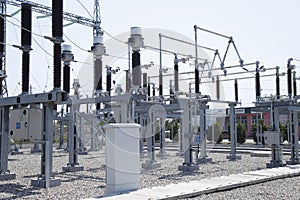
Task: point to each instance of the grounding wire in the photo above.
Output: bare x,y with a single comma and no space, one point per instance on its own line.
76,44
36,81
18,84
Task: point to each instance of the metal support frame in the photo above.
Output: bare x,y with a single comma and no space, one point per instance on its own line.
294,138
233,135
151,163
4,141
276,150
203,135
162,137
186,121
46,178
73,164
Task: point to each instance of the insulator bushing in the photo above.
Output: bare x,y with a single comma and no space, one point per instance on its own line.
145,79
218,88
295,88
25,72
1,48
236,91
257,85
98,74
26,25
136,69
197,81
1,39
66,80
277,86
108,80
57,18
289,80
176,77
57,32
26,44
57,66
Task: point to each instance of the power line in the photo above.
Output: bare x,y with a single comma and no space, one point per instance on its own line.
85,8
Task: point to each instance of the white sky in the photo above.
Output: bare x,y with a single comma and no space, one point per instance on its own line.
267,31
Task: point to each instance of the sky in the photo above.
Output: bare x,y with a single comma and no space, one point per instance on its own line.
266,31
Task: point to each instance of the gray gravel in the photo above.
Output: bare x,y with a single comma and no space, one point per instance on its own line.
91,182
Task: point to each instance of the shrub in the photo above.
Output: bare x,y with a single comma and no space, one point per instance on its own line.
218,135
240,132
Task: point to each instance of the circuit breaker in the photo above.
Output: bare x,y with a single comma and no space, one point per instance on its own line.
25,124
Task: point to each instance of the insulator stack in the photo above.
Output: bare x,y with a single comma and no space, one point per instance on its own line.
128,81
153,90
277,83
160,87
176,77
66,80
149,89
197,81
1,40
57,32
2,26
257,85
289,80
108,80
136,69
294,83
26,44
236,90
145,78
98,75
218,87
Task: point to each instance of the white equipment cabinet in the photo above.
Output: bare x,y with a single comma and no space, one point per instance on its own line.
25,123
122,158
272,137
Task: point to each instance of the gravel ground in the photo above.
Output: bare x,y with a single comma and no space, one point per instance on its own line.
91,182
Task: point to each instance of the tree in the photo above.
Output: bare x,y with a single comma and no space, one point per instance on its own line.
215,130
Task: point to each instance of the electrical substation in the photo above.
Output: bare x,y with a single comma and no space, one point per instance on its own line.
128,120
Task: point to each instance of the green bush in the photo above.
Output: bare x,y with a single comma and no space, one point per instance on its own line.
240,131
218,135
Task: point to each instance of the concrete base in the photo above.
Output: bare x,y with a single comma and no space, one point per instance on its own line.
4,177
188,168
72,168
275,164
35,150
83,153
233,157
204,160
143,154
111,190
292,162
180,153
150,164
162,155
41,183
16,153
260,154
